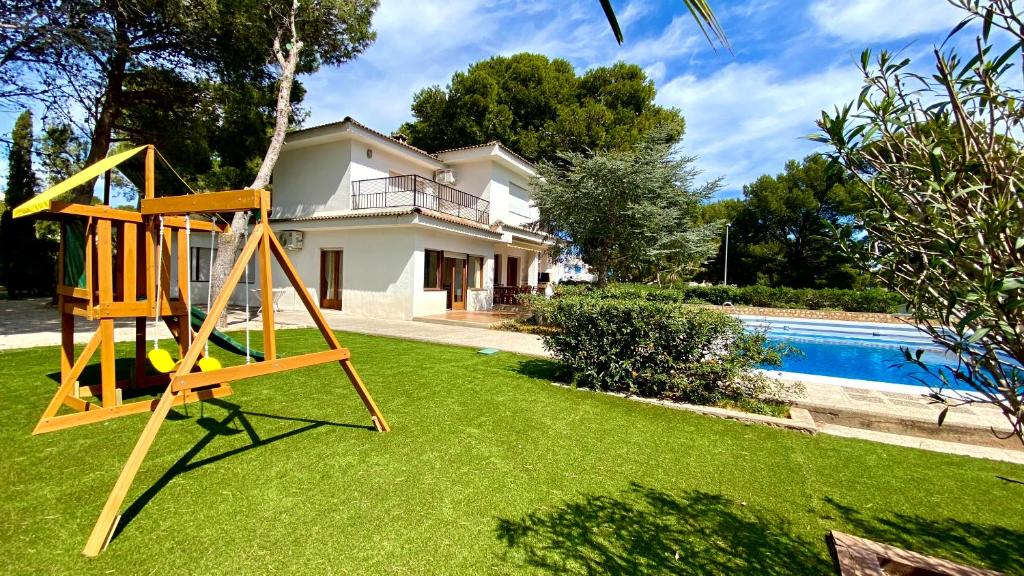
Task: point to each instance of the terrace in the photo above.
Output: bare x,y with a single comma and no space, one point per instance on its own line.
411,190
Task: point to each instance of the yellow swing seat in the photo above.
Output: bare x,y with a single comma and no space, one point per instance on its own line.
209,364
162,362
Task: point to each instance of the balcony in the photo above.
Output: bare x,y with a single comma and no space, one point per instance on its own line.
416,191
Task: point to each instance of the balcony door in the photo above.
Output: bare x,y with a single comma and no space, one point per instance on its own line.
330,279
455,282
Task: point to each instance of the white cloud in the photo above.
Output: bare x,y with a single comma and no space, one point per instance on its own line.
882,20
681,37
748,119
422,43
656,72
748,10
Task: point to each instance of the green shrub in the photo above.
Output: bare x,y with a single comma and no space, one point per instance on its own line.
631,344
870,300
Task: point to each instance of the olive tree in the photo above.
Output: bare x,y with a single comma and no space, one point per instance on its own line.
940,157
628,212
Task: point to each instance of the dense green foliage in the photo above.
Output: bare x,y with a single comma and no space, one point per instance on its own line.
629,214
793,229
213,134
539,108
941,160
620,342
26,262
489,469
869,300
196,79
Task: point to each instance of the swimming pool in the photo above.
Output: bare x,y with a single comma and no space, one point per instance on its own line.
866,354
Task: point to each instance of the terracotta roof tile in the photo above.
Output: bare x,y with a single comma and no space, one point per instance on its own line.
358,124
398,212
434,156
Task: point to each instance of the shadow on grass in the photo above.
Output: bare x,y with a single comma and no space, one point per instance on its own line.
216,428
91,373
124,368
541,369
647,531
955,540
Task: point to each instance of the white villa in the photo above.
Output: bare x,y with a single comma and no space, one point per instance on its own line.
379,228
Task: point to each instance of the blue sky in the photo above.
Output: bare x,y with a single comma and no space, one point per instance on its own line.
746,112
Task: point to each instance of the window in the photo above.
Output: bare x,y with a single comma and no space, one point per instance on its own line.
519,201
497,269
476,272
432,269
200,265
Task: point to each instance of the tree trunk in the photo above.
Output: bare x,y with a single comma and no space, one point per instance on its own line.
110,111
229,244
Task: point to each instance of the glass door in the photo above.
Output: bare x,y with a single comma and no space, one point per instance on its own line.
455,277
330,279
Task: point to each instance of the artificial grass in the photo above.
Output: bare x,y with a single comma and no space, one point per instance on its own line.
488,469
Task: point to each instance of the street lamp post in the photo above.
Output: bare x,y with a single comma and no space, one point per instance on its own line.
725,275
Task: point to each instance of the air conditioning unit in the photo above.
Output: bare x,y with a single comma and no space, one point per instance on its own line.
444,176
291,239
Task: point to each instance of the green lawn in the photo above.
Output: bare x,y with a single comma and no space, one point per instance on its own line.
488,469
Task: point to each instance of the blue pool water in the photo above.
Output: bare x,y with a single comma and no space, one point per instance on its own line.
859,361
858,351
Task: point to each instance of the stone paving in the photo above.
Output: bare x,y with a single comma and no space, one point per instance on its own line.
876,415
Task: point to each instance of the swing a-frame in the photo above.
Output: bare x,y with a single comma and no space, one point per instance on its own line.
116,264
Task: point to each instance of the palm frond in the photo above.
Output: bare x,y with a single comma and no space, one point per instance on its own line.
699,9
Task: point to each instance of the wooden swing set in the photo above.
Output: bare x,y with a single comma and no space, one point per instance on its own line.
116,264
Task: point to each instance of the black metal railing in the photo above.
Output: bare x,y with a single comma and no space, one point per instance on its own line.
412,190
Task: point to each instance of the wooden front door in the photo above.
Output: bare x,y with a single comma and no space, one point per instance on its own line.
512,271
330,279
455,280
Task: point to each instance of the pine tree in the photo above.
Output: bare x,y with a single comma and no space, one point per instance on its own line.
20,252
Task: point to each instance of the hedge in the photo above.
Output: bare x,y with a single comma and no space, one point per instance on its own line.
656,349
869,300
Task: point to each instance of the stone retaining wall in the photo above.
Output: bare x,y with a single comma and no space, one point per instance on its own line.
814,314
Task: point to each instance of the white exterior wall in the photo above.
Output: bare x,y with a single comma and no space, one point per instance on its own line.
376,270
475,178
381,164
510,208
312,179
429,302
318,178
382,266
489,179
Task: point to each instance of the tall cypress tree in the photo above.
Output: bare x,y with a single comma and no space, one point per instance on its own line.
19,250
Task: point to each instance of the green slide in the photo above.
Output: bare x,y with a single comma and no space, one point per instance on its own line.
221,339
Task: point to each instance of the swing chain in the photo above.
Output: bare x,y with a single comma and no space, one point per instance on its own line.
248,356
188,281
159,277
209,291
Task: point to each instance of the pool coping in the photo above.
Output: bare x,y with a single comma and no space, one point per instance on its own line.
908,389
826,321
